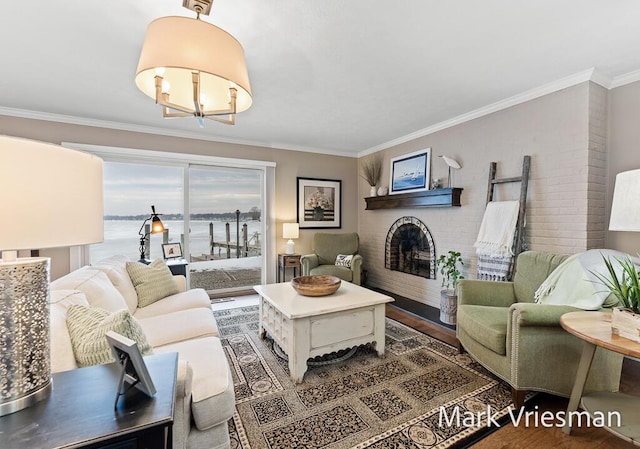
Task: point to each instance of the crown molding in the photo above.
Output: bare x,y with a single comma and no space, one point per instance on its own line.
625,79
591,74
73,120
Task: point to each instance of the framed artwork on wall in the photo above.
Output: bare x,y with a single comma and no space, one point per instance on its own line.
410,172
319,203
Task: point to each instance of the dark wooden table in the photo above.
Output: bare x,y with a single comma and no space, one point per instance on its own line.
79,412
287,261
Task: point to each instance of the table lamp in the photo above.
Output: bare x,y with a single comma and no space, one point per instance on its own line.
290,231
156,228
51,197
625,207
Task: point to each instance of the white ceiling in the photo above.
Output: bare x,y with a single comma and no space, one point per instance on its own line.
337,76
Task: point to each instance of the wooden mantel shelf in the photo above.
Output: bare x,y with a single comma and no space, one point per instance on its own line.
428,198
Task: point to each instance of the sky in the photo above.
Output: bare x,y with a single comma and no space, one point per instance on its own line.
131,189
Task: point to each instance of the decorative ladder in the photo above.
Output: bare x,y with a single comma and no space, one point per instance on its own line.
524,182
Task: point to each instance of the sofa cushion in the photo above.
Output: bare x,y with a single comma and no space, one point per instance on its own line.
152,282
342,272
88,327
115,267
97,287
212,393
487,324
62,358
196,298
179,326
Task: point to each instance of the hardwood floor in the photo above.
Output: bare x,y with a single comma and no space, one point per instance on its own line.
511,437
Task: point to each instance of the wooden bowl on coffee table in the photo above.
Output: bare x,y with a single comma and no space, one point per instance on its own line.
316,285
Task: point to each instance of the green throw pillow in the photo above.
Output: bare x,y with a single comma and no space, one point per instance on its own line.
152,282
88,327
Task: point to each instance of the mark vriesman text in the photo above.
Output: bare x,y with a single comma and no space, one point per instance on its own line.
455,416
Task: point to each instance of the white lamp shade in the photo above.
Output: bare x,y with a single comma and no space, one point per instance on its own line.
50,196
290,230
625,208
181,45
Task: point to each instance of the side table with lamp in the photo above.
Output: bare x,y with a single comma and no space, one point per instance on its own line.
289,259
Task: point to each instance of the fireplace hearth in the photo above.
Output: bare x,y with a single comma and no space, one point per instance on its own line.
409,248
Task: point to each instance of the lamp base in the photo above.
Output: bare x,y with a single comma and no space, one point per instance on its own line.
290,248
25,361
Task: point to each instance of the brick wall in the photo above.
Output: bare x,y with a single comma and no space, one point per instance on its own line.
565,134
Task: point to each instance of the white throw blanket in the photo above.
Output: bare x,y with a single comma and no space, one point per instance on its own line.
573,283
497,230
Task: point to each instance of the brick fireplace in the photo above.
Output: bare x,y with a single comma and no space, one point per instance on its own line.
409,248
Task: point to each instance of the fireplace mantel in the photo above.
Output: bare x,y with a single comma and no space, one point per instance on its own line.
429,198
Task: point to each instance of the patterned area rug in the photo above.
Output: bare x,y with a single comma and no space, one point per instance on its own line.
408,399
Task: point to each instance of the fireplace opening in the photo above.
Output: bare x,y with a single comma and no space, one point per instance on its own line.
409,248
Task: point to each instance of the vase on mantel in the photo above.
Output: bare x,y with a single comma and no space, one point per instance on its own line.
373,191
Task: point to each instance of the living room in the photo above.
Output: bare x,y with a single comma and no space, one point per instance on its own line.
579,129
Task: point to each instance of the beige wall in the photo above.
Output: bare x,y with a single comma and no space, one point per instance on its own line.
289,165
624,153
563,133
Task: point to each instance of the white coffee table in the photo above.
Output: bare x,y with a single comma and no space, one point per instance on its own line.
306,327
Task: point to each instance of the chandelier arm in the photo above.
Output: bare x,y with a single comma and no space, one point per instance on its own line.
233,95
227,121
195,80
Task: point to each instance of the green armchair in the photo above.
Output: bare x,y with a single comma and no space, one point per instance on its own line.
326,248
522,342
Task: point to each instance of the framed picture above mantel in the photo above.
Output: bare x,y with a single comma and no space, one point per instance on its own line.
319,203
410,172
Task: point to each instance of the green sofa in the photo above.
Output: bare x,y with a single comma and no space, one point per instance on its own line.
522,342
326,248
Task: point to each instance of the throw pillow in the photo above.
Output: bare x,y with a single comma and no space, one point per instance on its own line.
88,327
344,260
152,282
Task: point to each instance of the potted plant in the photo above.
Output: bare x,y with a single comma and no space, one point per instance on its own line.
625,319
450,276
371,171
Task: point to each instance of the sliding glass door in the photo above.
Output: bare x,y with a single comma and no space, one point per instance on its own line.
213,212
226,228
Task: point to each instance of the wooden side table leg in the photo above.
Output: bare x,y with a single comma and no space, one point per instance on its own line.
588,351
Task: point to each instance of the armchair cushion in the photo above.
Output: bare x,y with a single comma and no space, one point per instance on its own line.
343,273
343,260
487,324
328,246
532,269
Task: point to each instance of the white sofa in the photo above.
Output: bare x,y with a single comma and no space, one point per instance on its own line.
181,323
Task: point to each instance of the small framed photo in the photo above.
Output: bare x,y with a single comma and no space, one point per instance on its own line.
135,373
410,172
171,251
319,203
